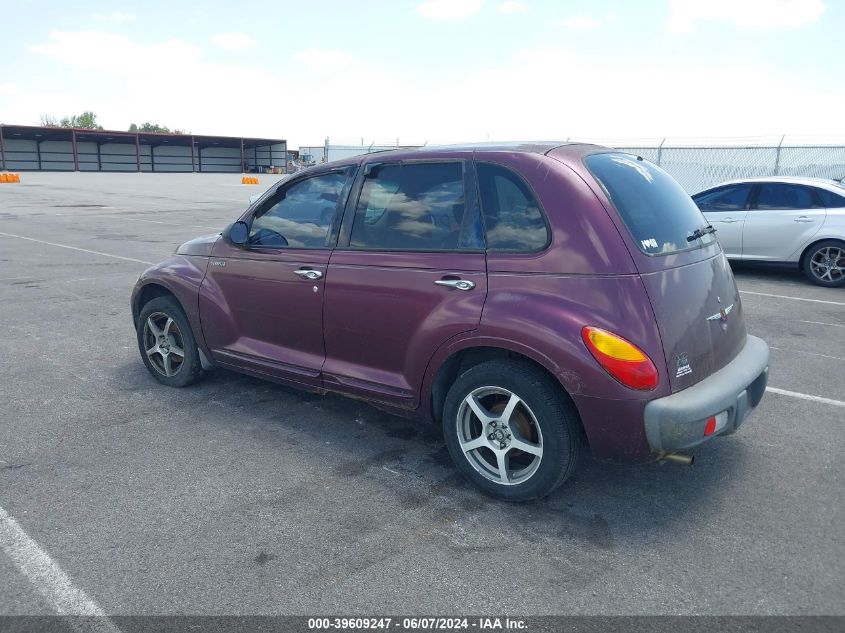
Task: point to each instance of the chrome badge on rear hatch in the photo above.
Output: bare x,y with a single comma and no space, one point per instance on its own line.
722,316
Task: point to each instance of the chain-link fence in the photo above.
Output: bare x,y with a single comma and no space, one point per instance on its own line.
696,163
699,166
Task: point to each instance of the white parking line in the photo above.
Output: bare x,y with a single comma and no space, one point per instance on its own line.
806,396
53,583
765,294
823,323
189,226
798,351
76,248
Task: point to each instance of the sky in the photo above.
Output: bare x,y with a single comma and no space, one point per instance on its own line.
432,71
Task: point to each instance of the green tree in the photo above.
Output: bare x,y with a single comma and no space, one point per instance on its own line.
154,127
87,120
149,127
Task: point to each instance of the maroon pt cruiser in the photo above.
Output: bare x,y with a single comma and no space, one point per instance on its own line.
534,299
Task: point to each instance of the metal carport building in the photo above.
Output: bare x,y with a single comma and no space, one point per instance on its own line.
32,148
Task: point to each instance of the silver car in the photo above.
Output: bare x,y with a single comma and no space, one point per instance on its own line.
782,221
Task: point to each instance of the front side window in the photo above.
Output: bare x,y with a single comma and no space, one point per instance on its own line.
777,195
732,198
513,220
659,214
299,216
414,206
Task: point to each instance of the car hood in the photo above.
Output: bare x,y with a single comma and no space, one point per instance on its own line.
199,246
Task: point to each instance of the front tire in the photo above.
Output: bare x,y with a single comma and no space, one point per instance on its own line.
824,263
511,430
167,344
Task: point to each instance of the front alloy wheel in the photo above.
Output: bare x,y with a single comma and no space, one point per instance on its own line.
163,344
166,343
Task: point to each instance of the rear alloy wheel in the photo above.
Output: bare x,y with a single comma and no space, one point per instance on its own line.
167,344
511,430
824,263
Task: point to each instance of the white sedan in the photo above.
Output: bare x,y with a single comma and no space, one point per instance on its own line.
783,221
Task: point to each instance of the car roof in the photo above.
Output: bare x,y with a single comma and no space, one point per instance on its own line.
826,183
562,150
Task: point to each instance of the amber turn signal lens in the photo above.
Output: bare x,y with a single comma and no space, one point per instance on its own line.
621,359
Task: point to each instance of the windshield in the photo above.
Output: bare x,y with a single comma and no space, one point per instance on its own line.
659,214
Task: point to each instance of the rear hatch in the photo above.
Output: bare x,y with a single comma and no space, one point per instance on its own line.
692,290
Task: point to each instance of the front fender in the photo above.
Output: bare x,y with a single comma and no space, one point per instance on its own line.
180,276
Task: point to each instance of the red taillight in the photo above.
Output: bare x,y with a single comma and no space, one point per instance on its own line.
710,427
621,359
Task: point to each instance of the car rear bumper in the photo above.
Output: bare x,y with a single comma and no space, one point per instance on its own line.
678,422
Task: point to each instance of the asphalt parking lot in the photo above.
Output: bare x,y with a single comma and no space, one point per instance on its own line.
237,496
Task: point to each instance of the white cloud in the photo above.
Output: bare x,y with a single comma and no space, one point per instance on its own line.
746,14
85,49
324,60
510,7
579,23
233,41
305,103
449,9
117,17
11,89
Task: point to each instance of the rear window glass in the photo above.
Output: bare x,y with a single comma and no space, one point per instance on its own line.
659,214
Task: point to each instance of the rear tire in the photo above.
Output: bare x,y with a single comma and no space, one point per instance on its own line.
167,344
824,263
496,409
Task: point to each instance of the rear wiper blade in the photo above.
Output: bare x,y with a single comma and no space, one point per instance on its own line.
699,233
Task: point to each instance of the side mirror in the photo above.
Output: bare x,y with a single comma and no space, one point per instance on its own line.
239,233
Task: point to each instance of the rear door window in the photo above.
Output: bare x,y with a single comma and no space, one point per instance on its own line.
830,199
733,198
415,207
658,213
513,219
777,195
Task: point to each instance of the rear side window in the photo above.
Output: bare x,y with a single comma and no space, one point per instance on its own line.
731,198
513,220
659,214
776,195
831,200
414,206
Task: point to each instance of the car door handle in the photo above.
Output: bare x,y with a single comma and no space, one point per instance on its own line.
728,220
311,275
459,284
803,218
